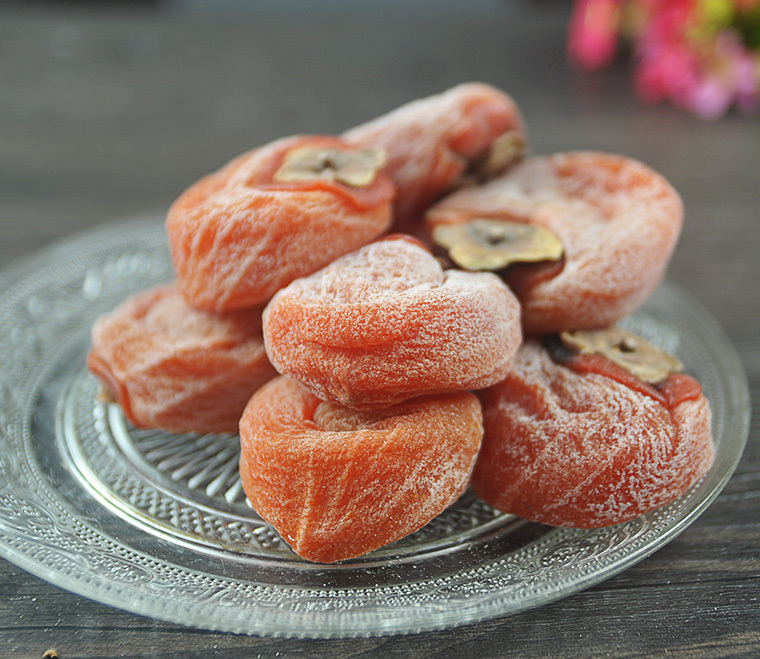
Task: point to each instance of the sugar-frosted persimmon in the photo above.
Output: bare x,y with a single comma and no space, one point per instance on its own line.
617,220
337,483
387,323
586,444
273,214
433,143
171,366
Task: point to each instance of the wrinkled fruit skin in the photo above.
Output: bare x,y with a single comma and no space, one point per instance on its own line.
618,220
585,448
174,367
387,323
237,236
337,483
431,142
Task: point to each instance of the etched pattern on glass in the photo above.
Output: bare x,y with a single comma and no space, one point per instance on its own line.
163,528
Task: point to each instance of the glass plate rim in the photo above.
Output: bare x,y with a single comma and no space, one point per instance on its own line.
170,612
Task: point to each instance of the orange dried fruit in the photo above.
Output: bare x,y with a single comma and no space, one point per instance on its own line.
174,367
616,218
273,214
435,144
337,483
387,323
582,442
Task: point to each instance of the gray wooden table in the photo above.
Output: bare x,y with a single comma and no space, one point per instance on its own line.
107,111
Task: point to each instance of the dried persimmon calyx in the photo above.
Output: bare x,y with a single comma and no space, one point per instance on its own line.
357,169
625,349
504,151
494,244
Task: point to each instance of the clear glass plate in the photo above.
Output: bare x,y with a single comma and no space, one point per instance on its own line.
157,524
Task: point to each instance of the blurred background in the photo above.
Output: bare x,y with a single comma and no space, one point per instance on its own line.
112,108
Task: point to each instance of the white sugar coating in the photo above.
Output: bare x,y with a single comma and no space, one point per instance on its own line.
443,460
376,272
336,418
618,221
180,368
366,479
236,239
248,243
584,450
172,318
386,323
157,324
430,140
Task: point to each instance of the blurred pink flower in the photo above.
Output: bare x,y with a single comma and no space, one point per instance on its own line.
664,71
709,98
593,32
686,52
729,73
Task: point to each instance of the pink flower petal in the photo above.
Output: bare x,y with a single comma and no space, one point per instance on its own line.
710,99
593,33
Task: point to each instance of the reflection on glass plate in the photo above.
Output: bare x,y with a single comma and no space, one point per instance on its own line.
157,523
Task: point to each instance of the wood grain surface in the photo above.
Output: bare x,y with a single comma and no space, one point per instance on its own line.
108,110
